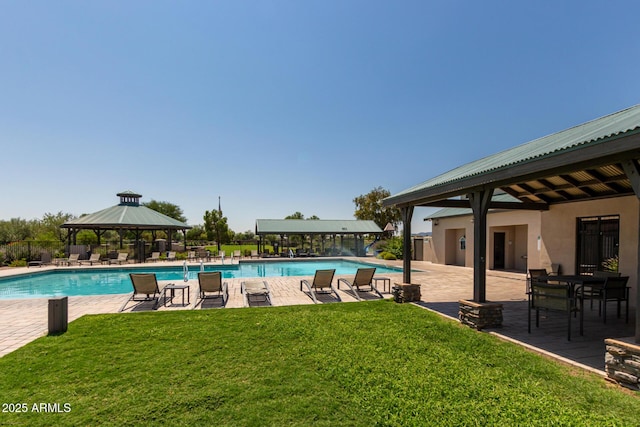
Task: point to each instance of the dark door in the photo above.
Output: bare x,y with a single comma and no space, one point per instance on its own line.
498,250
597,245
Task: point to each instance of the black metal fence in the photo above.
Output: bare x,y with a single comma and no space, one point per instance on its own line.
40,250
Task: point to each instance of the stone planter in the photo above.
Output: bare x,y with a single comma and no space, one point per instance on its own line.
622,362
480,315
405,292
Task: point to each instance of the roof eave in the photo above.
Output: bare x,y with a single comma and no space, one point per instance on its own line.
617,148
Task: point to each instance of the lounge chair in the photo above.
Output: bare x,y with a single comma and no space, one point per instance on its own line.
155,256
144,284
256,289
210,282
322,284
236,254
171,256
191,256
363,282
254,253
73,259
94,258
122,258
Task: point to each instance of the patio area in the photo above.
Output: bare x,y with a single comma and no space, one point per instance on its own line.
441,288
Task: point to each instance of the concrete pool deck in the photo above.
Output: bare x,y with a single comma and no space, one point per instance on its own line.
24,320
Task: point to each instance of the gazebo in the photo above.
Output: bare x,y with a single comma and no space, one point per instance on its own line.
128,215
320,227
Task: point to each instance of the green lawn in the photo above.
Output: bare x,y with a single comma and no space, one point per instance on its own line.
354,364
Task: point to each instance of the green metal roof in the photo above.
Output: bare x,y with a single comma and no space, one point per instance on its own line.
315,226
126,215
451,212
596,133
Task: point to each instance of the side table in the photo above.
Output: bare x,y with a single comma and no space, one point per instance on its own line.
172,288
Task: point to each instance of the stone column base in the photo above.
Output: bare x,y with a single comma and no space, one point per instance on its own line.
480,315
405,292
622,362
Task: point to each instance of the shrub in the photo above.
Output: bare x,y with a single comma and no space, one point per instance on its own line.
18,263
387,256
393,246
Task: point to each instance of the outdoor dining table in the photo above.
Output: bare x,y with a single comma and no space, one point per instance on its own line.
576,283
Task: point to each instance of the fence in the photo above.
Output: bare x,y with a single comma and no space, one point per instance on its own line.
33,250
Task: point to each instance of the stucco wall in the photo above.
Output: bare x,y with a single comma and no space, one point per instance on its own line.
559,234
545,237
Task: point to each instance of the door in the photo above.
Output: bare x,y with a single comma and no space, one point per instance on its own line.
598,239
498,250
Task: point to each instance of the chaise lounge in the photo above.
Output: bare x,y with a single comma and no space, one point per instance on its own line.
322,284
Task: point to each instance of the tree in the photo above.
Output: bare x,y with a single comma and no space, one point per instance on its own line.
49,228
166,208
15,229
215,225
296,215
369,207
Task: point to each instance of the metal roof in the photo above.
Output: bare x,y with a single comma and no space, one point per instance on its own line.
451,212
126,215
578,163
315,226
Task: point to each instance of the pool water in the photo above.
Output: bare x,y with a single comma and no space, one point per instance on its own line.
76,282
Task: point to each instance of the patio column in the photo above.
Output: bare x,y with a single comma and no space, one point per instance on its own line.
632,171
407,214
480,200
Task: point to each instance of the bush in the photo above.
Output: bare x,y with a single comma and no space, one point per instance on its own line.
387,256
392,246
18,263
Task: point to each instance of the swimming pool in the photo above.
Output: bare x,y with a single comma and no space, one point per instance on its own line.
104,281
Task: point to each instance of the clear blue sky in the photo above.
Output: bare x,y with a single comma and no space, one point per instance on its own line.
285,106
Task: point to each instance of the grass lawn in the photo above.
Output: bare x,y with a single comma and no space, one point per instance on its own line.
355,364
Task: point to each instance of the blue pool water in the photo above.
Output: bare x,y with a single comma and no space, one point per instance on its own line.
103,281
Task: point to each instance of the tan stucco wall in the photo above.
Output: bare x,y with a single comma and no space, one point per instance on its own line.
521,228
559,234
556,231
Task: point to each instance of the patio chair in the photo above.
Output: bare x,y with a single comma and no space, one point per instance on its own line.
614,289
210,282
256,289
155,256
363,282
143,284
122,258
92,259
204,255
236,254
558,298
322,284
171,256
254,253
589,292
534,274
191,256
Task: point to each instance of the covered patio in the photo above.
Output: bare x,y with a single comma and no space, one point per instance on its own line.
595,161
327,230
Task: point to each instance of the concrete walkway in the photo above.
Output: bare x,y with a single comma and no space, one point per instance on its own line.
24,320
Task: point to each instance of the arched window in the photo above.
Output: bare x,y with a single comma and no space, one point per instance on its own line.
463,243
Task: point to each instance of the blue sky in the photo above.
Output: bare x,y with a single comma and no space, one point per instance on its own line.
285,106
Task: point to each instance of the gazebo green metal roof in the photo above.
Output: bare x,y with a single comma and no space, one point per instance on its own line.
319,226
128,214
